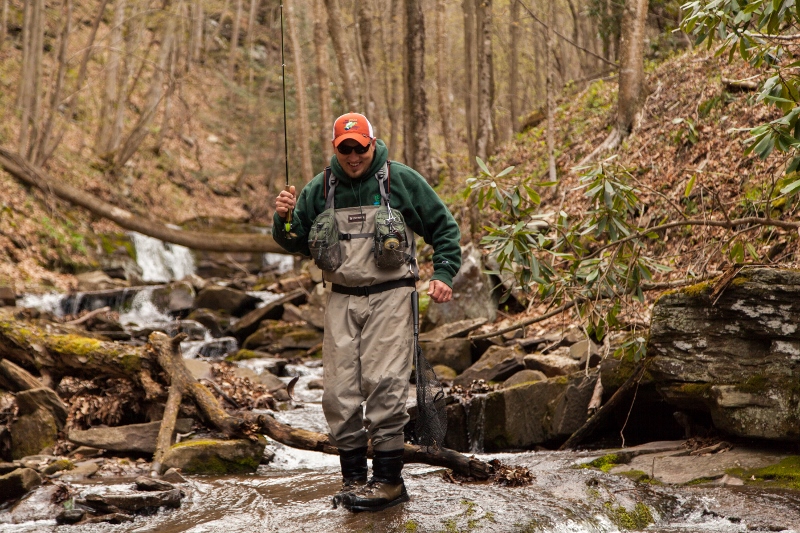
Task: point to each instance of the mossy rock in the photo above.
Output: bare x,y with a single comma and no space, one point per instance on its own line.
32,433
216,457
785,474
638,518
604,463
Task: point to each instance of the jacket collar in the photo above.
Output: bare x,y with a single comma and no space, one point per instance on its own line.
381,155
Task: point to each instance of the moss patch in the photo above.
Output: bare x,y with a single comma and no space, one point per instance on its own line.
604,463
243,355
639,477
785,474
638,518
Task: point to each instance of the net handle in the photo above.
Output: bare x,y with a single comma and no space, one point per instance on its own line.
415,315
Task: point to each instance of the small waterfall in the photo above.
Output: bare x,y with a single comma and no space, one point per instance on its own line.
143,311
282,263
161,261
475,413
52,302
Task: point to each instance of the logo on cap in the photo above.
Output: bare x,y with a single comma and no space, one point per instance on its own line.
350,124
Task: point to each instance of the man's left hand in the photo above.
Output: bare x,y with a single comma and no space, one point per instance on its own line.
439,291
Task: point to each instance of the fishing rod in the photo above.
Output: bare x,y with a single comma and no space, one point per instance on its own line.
288,226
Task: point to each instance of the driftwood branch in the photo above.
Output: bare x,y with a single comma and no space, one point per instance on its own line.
168,355
739,85
15,165
602,414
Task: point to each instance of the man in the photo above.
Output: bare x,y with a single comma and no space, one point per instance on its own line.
368,342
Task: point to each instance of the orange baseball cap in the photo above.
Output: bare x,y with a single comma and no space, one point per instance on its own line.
352,126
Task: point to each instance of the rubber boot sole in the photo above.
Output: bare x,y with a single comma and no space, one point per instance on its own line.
358,507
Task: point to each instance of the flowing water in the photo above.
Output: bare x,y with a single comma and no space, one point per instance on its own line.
293,492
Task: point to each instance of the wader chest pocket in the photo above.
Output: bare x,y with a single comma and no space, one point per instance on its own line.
323,241
391,245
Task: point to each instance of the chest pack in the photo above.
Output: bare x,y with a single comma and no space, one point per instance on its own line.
390,244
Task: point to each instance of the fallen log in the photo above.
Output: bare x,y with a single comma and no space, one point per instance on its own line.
15,378
249,425
56,350
173,406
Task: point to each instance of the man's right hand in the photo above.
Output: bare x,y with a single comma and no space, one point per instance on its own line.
284,202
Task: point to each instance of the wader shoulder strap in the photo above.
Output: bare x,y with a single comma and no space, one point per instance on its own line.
330,187
384,183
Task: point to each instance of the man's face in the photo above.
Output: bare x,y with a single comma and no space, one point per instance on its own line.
354,164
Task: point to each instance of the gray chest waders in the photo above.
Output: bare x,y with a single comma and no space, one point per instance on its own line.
366,249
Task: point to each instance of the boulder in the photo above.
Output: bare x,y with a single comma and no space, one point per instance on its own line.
472,293
131,438
444,373
218,348
214,321
195,331
275,337
173,475
455,329
313,315
267,379
8,296
176,297
536,413
316,384
231,301
136,501
524,376
455,353
250,322
497,364
41,416
82,470
152,484
737,358
98,280
18,483
551,365
216,456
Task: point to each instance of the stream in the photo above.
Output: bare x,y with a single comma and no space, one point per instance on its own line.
293,492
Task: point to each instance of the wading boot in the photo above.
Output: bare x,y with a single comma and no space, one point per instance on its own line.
354,472
385,489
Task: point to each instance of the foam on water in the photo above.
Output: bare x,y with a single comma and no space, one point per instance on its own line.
44,302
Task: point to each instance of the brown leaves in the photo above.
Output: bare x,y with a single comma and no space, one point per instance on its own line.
504,475
102,401
245,393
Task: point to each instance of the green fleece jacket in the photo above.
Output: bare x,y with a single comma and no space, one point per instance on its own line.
423,210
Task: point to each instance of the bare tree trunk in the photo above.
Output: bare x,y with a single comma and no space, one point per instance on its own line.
107,138
167,114
443,84
323,78
513,75
232,52
365,30
3,22
631,64
551,148
198,23
394,88
470,85
37,157
73,98
38,50
346,64
251,24
417,140
305,130
483,141
154,97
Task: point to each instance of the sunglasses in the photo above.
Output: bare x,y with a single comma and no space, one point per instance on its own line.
347,150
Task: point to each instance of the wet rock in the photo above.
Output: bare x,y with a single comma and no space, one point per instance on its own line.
456,437
138,501
131,438
551,365
58,466
6,468
197,283
214,321
232,301
173,475
70,516
536,413
97,281
524,376
176,297
82,470
41,503
18,483
316,384
444,372
8,296
120,265
472,293
497,364
737,359
216,456
111,518
195,331
218,348
38,424
151,484
452,330
278,337
291,313
455,353
314,316
266,361
251,322
268,456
